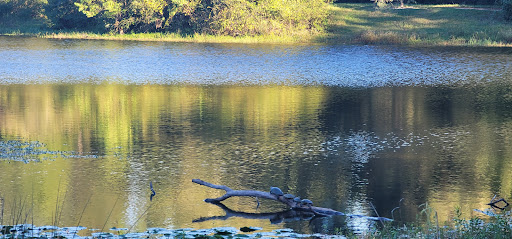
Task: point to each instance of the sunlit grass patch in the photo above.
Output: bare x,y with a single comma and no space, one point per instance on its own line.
376,37
451,24
176,37
420,21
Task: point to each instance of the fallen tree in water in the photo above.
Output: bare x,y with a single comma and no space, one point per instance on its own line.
295,203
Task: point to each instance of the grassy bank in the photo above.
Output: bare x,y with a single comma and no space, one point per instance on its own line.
34,30
489,224
453,25
174,37
446,25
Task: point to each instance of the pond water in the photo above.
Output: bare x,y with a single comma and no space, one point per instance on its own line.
86,125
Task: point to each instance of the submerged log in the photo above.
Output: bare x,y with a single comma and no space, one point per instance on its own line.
318,211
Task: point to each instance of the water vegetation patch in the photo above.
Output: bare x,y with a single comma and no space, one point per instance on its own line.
34,151
31,231
497,224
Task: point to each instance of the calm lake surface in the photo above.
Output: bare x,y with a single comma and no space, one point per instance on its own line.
86,125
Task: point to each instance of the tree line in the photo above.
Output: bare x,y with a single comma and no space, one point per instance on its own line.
218,17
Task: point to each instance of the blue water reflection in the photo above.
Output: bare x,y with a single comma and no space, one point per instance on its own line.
42,60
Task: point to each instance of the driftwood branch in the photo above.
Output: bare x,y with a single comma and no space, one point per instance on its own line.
234,193
318,211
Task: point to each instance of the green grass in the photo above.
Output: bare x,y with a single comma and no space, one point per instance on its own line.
490,224
454,25
441,25
174,37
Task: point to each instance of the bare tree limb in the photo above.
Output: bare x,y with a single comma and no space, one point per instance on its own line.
318,211
235,193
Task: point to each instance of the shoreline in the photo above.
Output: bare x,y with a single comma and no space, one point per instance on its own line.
416,25
381,39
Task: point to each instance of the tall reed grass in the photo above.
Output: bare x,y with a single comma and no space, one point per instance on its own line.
490,224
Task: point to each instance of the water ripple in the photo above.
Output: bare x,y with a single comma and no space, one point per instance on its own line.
28,60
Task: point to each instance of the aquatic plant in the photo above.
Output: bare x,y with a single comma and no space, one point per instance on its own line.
17,150
34,151
29,230
493,225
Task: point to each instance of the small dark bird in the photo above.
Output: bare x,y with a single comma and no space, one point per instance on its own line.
153,193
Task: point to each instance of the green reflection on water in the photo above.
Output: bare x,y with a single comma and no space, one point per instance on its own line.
339,147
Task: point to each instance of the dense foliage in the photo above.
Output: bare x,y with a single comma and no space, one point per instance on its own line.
218,17
242,17
63,14
123,16
20,9
507,9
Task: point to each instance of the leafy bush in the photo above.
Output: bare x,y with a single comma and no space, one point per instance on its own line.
187,16
242,17
382,3
235,17
21,9
63,14
125,16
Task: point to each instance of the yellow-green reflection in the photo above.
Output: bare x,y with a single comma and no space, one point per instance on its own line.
247,137
116,121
